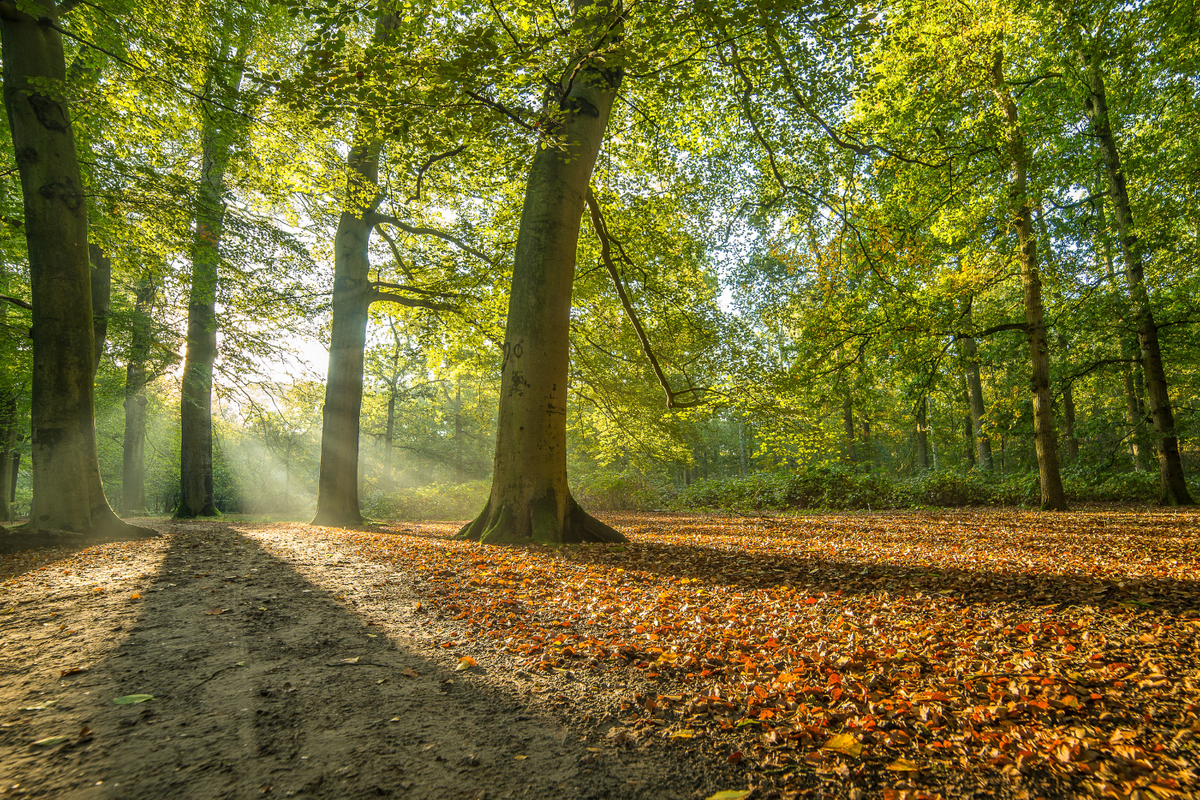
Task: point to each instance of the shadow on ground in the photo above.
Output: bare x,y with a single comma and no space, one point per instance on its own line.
265,685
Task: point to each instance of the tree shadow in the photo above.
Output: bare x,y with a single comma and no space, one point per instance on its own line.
1124,539
265,683
945,535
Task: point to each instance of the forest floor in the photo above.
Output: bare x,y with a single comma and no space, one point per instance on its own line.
966,653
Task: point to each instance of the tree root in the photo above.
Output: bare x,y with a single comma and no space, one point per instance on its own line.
537,523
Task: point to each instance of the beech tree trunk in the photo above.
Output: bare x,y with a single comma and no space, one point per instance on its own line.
197,497
133,452
67,494
1053,498
1170,465
337,484
530,500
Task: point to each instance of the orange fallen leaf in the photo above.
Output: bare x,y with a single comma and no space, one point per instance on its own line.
215,611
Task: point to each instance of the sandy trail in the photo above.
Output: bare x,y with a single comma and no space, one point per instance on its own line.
280,666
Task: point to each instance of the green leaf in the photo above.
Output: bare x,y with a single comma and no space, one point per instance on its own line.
731,794
50,741
131,699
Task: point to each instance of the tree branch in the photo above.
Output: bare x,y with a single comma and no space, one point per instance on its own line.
16,301
606,253
433,160
416,230
411,302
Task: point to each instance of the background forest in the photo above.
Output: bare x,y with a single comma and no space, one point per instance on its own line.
835,255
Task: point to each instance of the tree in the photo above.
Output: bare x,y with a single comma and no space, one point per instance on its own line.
222,128
530,499
1174,487
67,494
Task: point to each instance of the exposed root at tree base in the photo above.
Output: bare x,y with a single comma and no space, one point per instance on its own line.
27,537
538,523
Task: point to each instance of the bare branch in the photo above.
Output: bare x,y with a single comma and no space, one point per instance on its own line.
16,301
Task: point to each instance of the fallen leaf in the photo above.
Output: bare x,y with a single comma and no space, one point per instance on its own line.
50,741
130,699
350,660
72,671
466,662
520,758
214,611
846,744
686,733
135,596
731,794
410,673
903,765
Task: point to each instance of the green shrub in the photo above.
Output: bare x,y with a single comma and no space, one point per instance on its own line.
437,501
944,488
617,491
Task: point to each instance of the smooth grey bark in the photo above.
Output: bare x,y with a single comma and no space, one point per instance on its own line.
530,500
218,137
67,493
133,451
1053,498
1174,486
337,482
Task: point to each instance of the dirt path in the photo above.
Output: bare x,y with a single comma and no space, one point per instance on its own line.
279,667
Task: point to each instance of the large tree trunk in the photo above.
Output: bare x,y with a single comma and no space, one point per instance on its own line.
337,484
1174,487
530,499
1050,480
67,494
197,497
133,453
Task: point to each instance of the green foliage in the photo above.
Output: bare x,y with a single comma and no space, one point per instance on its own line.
625,490
436,501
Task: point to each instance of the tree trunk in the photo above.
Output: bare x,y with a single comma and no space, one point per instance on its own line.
530,500
1069,423
101,299
67,494
197,498
848,424
1053,497
983,444
743,456
337,484
8,448
1170,465
922,436
133,453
